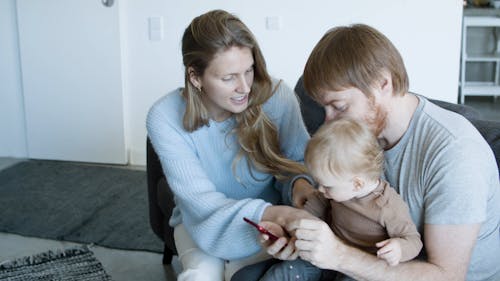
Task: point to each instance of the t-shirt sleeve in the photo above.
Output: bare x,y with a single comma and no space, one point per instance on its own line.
457,187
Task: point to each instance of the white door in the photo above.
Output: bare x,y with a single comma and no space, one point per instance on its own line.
72,82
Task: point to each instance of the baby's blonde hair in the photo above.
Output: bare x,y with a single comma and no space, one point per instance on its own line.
344,147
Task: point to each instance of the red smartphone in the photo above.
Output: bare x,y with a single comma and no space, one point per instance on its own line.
262,230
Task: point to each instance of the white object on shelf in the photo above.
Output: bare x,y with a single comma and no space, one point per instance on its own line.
479,88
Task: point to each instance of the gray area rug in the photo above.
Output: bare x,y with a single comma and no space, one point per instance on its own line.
77,263
75,202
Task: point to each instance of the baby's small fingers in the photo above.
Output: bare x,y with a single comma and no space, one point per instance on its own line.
287,252
382,243
384,251
295,255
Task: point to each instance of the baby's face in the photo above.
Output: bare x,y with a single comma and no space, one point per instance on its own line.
337,188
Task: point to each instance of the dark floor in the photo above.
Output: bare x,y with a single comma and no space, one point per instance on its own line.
120,264
488,107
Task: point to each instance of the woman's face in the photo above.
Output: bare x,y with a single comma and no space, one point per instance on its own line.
226,82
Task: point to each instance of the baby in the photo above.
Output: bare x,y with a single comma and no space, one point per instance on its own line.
346,161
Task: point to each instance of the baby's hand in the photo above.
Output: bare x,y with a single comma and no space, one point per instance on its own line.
390,251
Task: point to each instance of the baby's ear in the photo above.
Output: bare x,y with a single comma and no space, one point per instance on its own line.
358,183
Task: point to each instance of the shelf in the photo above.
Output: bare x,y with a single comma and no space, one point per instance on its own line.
471,11
481,89
479,62
484,57
481,21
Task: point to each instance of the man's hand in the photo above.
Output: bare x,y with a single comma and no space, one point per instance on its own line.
390,251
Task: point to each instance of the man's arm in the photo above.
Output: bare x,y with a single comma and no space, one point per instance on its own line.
449,248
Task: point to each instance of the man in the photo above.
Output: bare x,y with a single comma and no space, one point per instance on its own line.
437,161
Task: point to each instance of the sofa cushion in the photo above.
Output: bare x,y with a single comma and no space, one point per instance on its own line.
490,130
312,112
466,111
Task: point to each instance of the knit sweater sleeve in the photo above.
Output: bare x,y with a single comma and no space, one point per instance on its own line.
213,220
284,111
396,217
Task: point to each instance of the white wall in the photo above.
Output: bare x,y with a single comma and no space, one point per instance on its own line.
12,125
428,37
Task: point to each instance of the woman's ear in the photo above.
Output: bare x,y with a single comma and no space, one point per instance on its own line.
358,183
194,78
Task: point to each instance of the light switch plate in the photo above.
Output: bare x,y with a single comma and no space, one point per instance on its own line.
155,28
273,23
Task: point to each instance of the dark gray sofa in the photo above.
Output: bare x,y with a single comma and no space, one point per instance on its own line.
161,200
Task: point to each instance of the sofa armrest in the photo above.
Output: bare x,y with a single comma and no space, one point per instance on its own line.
154,174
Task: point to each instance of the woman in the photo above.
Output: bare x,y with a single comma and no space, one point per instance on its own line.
229,141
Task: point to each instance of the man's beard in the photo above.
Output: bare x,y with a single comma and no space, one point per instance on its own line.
377,117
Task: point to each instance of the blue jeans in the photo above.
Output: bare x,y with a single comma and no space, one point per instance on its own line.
294,270
277,270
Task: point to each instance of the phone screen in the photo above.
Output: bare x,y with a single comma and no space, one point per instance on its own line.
261,229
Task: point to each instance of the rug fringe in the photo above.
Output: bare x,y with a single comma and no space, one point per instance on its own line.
45,256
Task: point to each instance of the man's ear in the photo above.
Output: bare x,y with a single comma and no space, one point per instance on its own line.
358,183
386,83
194,78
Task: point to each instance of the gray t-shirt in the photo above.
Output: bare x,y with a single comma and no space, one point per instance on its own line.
447,174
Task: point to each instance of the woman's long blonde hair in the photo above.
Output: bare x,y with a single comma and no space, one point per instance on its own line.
207,35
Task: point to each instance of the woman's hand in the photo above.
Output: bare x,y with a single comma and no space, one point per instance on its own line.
316,243
302,191
283,215
284,247
275,219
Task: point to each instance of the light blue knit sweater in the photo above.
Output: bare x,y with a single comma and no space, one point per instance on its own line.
210,200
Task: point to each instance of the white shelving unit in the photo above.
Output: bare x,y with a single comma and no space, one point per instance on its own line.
483,57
